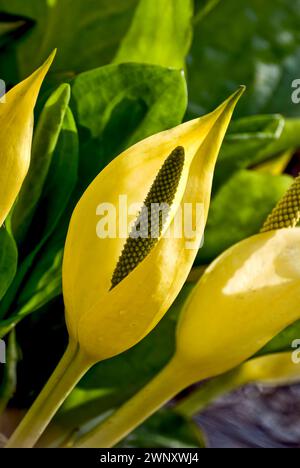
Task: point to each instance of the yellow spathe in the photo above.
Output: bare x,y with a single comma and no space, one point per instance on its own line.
244,299
16,128
107,322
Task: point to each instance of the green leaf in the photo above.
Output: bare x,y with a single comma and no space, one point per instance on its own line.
87,34
43,285
61,180
8,261
249,141
165,430
44,144
160,33
119,105
250,42
239,210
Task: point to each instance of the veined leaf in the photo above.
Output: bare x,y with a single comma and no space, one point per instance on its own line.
135,101
98,25
160,33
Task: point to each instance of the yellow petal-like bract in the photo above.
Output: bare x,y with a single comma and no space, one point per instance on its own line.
274,370
16,128
104,320
244,299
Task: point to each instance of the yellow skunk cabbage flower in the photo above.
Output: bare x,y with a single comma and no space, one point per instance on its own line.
245,298
16,128
117,287
273,370
115,291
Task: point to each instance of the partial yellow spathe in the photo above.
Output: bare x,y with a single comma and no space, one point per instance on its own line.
244,299
104,322
16,128
273,370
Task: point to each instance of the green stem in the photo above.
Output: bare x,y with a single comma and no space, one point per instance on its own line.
153,396
204,396
69,371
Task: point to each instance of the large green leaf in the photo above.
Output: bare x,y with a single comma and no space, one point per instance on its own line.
117,105
44,144
249,42
86,33
239,210
160,33
8,260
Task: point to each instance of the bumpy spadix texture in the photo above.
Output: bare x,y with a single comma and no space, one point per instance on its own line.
151,220
245,298
16,128
287,212
107,320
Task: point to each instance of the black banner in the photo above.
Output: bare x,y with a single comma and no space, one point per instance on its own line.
102,457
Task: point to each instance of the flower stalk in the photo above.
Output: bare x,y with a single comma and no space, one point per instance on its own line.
68,373
170,381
